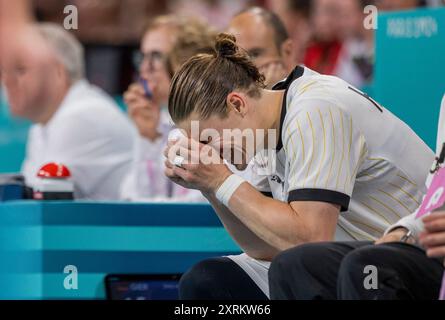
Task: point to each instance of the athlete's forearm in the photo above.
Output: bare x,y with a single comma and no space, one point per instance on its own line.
249,242
278,223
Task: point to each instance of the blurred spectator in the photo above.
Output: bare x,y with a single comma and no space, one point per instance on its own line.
215,12
111,21
295,15
195,38
49,10
147,181
395,5
323,53
355,64
74,123
109,31
263,35
341,45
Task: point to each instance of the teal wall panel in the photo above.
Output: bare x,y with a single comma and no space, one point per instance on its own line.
13,135
410,67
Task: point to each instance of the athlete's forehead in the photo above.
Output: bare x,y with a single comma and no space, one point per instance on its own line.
196,124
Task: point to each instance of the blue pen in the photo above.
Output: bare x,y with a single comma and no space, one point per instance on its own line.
147,90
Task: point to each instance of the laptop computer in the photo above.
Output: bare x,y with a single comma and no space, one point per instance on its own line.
142,286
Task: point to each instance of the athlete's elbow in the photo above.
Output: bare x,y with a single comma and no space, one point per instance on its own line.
309,236
289,244
320,236
265,255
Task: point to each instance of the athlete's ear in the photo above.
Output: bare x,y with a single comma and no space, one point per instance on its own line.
236,102
287,51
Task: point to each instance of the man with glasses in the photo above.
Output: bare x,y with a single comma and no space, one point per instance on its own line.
147,106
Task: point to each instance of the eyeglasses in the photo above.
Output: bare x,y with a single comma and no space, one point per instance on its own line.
154,59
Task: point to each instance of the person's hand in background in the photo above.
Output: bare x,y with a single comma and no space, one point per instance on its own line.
143,111
395,235
433,239
273,72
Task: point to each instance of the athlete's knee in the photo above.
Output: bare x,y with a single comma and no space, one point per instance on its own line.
290,269
358,263
301,259
279,268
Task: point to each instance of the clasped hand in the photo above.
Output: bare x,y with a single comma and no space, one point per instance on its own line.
194,165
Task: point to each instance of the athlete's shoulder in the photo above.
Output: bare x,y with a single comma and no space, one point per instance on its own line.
313,85
312,90
301,113
309,95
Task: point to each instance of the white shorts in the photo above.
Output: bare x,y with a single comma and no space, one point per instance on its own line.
257,270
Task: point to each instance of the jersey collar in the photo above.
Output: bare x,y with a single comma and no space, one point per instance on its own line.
284,85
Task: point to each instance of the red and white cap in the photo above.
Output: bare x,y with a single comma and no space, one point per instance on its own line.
54,171
53,178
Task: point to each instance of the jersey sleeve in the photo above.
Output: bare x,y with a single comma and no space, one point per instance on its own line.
255,176
324,149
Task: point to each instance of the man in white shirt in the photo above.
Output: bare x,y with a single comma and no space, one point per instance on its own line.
75,123
338,270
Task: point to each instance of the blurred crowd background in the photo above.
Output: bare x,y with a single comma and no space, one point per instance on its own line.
131,49
329,33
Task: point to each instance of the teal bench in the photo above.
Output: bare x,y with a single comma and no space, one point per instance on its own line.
39,239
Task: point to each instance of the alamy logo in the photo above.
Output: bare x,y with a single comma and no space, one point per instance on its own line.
71,21
371,20
70,281
371,280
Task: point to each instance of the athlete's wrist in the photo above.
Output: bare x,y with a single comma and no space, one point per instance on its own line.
218,177
229,186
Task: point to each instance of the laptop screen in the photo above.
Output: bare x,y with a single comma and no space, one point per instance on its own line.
142,287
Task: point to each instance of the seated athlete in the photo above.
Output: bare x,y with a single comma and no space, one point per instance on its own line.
346,167
408,261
